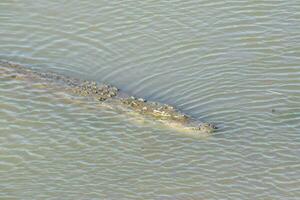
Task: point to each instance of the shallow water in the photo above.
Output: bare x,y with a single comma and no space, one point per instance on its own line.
234,63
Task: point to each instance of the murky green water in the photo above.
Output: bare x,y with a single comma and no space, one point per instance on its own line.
228,62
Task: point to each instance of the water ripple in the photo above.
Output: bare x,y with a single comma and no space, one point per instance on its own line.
235,63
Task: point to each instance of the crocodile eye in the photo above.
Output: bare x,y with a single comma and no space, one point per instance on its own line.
212,126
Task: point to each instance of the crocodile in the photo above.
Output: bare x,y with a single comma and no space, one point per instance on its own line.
164,113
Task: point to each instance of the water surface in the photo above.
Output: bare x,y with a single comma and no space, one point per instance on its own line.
234,63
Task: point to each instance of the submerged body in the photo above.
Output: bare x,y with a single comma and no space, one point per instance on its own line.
163,113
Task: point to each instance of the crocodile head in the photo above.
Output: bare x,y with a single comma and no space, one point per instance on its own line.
206,128
192,128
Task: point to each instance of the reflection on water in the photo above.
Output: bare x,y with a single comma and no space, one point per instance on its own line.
232,63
